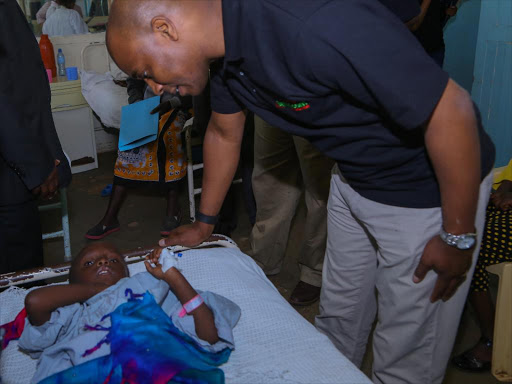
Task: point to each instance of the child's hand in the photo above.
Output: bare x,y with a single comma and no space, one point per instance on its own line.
156,271
164,263
153,258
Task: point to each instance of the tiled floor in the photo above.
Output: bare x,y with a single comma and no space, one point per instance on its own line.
140,224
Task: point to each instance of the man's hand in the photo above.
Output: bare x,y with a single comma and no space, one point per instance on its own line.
502,200
48,189
450,264
502,197
416,22
188,235
166,106
451,11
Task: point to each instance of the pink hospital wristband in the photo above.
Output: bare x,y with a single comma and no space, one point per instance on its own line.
190,305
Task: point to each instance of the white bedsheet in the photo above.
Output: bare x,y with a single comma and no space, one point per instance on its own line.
274,343
104,97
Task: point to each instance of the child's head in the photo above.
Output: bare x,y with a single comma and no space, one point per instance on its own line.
70,4
98,263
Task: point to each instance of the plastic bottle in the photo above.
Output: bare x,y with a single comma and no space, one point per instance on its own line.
61,63
48,54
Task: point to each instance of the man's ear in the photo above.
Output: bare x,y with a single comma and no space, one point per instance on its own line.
164,26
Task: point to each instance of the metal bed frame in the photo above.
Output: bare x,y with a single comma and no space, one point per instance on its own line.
131,256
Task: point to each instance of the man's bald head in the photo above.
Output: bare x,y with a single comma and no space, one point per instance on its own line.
132,16
169,43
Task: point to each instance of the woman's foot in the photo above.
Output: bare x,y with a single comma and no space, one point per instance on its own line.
476,359
99,231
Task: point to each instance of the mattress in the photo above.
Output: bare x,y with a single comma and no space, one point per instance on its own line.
273,342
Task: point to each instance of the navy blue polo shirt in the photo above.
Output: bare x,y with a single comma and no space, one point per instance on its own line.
348,76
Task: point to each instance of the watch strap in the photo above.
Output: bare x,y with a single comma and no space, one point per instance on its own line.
452,239
207,219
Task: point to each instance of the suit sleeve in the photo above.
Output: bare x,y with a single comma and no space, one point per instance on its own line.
28,140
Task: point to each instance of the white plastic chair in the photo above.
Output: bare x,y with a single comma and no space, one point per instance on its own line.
64,232
63,206
502,339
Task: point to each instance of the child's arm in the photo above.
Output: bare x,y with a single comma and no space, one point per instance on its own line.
41,302
179,285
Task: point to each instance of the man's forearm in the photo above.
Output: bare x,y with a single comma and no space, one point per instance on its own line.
221,152
452,142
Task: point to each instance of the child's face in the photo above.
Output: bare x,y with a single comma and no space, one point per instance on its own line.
99,263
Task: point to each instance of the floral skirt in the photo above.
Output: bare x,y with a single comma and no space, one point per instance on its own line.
161,161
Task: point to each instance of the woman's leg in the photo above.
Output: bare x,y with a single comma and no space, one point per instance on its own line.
172,219
115,203
109,223
496,248
484,309
173,208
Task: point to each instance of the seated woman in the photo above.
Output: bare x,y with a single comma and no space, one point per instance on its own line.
496,248
41,14
63,20
151,327
159,164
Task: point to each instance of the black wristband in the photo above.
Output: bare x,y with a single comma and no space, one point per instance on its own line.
206,219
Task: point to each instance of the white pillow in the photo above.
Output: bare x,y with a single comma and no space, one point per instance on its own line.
104,97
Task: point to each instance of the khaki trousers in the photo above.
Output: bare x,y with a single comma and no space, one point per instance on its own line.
375,247
284,167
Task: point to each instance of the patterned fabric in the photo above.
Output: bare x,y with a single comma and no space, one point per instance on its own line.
496,245
497,237
142,163
13,329
146,347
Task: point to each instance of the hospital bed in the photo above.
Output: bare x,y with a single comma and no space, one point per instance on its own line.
273,342
99,88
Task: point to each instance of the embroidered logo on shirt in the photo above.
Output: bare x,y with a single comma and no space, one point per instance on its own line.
300,106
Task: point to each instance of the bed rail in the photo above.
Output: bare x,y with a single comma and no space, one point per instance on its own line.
131,256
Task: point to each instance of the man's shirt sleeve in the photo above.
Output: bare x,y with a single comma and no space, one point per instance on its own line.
222,100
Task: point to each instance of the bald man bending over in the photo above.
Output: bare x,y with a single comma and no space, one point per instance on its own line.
408,194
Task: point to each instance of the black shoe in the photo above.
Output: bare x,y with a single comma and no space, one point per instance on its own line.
99,231
468,362
304,294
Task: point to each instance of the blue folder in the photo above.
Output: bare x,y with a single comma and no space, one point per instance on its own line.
138,126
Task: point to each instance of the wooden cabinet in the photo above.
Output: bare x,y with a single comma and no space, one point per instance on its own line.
74,124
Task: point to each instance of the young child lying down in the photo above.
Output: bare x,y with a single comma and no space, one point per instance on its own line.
106,327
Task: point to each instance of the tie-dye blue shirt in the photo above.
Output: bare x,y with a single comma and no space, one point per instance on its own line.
60,343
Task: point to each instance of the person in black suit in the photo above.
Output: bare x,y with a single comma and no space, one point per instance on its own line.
32,163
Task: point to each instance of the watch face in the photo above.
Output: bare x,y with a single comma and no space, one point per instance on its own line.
466,242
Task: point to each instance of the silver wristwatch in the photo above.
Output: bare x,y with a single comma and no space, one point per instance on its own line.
464,241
